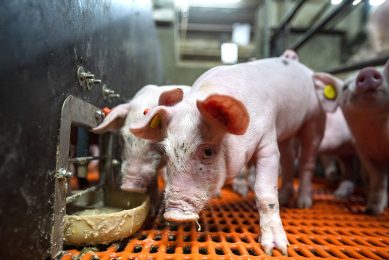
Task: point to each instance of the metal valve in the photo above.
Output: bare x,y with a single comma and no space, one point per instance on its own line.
86,79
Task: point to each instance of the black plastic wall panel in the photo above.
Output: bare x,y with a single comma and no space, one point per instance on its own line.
41,44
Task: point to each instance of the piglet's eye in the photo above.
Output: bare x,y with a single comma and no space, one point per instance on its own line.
208,152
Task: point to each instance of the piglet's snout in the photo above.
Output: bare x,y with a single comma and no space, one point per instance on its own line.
133,187
178,215
368,79
181,210
136,181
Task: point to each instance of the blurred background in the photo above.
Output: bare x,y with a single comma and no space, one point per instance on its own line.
192,33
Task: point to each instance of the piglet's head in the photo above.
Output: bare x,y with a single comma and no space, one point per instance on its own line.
196,157
140,158
191,134
368,89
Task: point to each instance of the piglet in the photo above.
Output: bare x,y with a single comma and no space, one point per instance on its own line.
141,158
364,100
234,114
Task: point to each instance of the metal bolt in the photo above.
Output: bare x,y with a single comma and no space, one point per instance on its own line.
86,79
64,173
99,115
114,96
96,81
109,93
115,162
87,75
106,90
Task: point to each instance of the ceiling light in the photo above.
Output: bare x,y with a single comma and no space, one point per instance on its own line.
336,2
229,53
376,2
241,33
186,3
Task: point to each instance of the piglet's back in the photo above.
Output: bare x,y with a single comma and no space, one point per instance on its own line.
275,88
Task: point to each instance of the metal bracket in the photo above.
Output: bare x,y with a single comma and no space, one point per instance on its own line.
78,112
86,79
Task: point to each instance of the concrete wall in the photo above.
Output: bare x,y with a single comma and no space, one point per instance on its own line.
177,72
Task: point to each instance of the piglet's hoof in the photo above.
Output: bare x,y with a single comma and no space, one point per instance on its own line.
345,189
375,209
304,202
177,215
273,236
376,203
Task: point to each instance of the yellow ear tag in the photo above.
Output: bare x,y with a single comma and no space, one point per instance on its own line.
329,92
156,121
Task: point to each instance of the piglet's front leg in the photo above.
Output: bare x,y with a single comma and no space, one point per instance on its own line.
272,231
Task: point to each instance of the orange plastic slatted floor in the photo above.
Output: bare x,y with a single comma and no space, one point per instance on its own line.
229,230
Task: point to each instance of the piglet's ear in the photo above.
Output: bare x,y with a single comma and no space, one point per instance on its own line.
171,97
153,125
114,120
328,90
290,54
226,111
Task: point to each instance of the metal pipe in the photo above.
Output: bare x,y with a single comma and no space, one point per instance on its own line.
365,12
321,24
319,13
82,193
84,160
287,18
373,62
257,33
345,13
266,30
